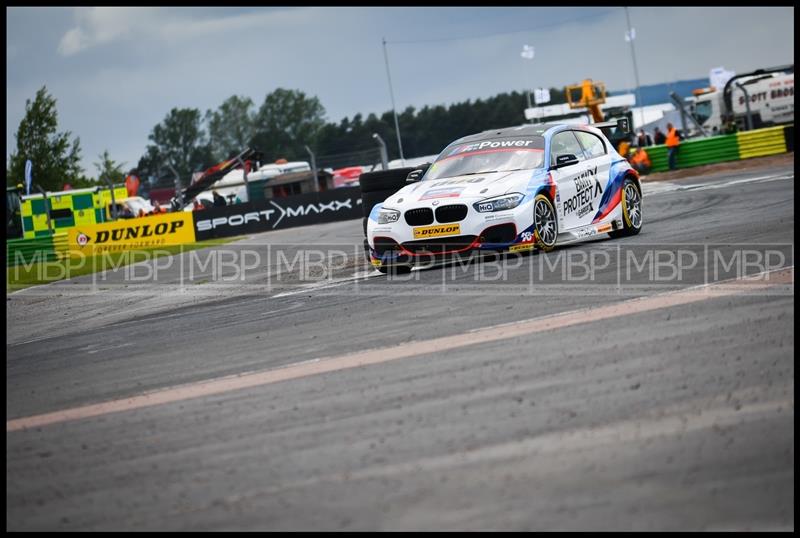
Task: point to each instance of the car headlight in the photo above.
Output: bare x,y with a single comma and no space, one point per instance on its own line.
387,216
499,203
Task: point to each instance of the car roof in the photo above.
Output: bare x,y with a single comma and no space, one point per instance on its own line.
528,129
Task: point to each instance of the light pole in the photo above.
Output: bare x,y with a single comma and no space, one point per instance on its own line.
313,166
394,109
384,153
630,36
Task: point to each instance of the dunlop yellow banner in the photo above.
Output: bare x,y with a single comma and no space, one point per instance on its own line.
130,234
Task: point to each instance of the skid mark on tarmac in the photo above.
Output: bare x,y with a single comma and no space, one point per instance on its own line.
482,335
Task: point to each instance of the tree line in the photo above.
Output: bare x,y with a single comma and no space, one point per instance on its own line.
188,140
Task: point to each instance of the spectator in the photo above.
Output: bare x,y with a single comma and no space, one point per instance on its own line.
643,139
673,142
126,212
641,161
623,147
219,201
658,137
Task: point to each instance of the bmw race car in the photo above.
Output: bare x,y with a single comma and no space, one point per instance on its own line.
514,189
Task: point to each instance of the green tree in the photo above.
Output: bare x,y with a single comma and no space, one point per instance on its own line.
286,122
178,142
231,127
107,168
55,159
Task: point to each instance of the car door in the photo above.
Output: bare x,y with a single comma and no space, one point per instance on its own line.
598,166
572,191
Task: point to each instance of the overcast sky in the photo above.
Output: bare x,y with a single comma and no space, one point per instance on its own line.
116,72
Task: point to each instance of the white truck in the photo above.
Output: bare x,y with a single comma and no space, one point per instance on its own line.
769,93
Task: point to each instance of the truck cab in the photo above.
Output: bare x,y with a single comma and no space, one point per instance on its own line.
767,97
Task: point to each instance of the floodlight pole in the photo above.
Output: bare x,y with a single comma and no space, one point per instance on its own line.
394,109
635,69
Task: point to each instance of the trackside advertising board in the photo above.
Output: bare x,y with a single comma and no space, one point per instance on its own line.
278,213
129,234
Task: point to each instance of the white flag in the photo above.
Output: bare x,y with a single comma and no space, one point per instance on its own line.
719,76
28,179
527,52
541,95
630,36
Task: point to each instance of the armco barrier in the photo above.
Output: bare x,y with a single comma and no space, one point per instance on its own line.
40,249
717,149
277,213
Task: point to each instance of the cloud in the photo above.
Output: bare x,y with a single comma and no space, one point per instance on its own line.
73,42
106,25
97,26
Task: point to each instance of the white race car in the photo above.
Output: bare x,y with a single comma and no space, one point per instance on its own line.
513,189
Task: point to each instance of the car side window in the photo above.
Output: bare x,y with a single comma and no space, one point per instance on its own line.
592,145
565,143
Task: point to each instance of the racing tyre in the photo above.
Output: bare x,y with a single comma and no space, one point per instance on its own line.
631,200
545,224
384,180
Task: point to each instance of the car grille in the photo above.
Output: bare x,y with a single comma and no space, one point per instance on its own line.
419,217
451,213
440,244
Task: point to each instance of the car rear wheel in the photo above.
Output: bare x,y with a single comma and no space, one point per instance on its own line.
545,225
631,209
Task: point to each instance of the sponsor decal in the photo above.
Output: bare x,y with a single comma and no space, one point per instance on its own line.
527,237
425,232
491,144
447,192
498,216
376,262
588,189
588,231
520,247
464,181
142,232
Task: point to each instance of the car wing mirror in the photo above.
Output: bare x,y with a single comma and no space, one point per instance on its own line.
414,176
567,159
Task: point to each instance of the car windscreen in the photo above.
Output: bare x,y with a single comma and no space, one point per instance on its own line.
496,155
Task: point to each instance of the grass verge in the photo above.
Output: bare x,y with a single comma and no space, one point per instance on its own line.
26,275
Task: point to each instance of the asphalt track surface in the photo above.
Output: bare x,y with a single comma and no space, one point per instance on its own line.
621,402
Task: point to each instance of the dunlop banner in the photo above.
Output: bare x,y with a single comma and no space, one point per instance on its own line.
130,234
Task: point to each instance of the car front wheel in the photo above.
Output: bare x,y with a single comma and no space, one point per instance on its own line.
545,225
